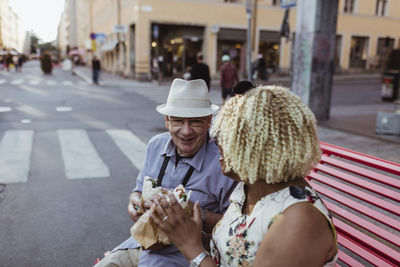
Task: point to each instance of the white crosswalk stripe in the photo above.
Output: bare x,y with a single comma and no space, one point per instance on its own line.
51,82
66,82
130,145
81,159
34,82
16,82
15,156
39,81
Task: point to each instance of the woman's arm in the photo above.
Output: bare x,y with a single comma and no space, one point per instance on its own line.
300,236
183,231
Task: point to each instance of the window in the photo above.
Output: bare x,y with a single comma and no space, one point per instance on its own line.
275,2
380,8
349,6
358,52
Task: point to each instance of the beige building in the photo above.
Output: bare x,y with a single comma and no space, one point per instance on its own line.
11,34
135,35
74,28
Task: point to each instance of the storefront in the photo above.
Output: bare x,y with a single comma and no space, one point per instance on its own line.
174,48
269,49
232,42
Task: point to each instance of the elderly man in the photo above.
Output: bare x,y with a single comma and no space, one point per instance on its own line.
183,155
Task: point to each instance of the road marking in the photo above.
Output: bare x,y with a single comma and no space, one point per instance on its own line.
2,81
5,109
15,156
34,82
63,109
51,82
16,82
26,121
33,90
130,145
81,159
67,83
32,111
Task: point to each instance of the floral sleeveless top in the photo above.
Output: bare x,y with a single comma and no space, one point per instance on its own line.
238,235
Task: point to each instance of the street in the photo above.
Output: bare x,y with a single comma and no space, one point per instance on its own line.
70,152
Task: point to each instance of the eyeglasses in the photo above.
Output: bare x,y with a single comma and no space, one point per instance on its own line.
179,122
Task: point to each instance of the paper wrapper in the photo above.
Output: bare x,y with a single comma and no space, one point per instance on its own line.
146,233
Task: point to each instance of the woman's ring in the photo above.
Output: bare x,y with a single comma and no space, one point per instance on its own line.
165,218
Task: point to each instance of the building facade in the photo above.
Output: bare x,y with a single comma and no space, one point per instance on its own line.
12,36
138,38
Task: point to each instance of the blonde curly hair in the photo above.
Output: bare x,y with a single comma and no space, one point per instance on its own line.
268,133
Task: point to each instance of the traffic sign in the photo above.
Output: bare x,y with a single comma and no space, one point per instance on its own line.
100,37
288,3
119,28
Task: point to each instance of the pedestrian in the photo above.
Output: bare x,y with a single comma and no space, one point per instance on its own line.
96,67
20,62
184,153
228,77
261,68
268,141
8,61
200,70
242,87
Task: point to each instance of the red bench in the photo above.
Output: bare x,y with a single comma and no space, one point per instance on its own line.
363,195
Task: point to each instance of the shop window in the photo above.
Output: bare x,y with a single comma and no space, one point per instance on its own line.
384,46
380,8
359,52
349,6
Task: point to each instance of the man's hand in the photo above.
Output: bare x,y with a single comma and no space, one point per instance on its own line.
135,208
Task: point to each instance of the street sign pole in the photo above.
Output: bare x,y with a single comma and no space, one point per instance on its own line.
248,54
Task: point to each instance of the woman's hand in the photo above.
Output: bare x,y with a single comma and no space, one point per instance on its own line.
183,231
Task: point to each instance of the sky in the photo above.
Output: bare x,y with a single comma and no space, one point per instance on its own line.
41,16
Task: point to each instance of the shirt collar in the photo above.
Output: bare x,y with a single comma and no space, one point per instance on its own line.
196,161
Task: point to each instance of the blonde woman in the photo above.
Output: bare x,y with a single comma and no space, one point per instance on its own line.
268,141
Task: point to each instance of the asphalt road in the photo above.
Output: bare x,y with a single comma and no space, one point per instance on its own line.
52,219
70,152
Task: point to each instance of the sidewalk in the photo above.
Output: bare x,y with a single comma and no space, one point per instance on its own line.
349,127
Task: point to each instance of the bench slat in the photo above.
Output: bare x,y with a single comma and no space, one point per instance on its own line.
348,260
379,164
363,253
360,182
356,206
361,171
386,235
356,193
367,242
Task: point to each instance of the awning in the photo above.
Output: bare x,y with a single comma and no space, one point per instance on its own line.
109,46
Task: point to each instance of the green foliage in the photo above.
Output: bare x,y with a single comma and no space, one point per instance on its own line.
45,63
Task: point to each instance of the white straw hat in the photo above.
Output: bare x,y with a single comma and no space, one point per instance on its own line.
188,99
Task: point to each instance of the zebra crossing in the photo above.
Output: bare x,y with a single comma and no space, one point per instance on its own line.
40,82
80,157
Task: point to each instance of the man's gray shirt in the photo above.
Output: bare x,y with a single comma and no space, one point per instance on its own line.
209,186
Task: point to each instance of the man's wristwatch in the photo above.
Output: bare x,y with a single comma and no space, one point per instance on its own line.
197,260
